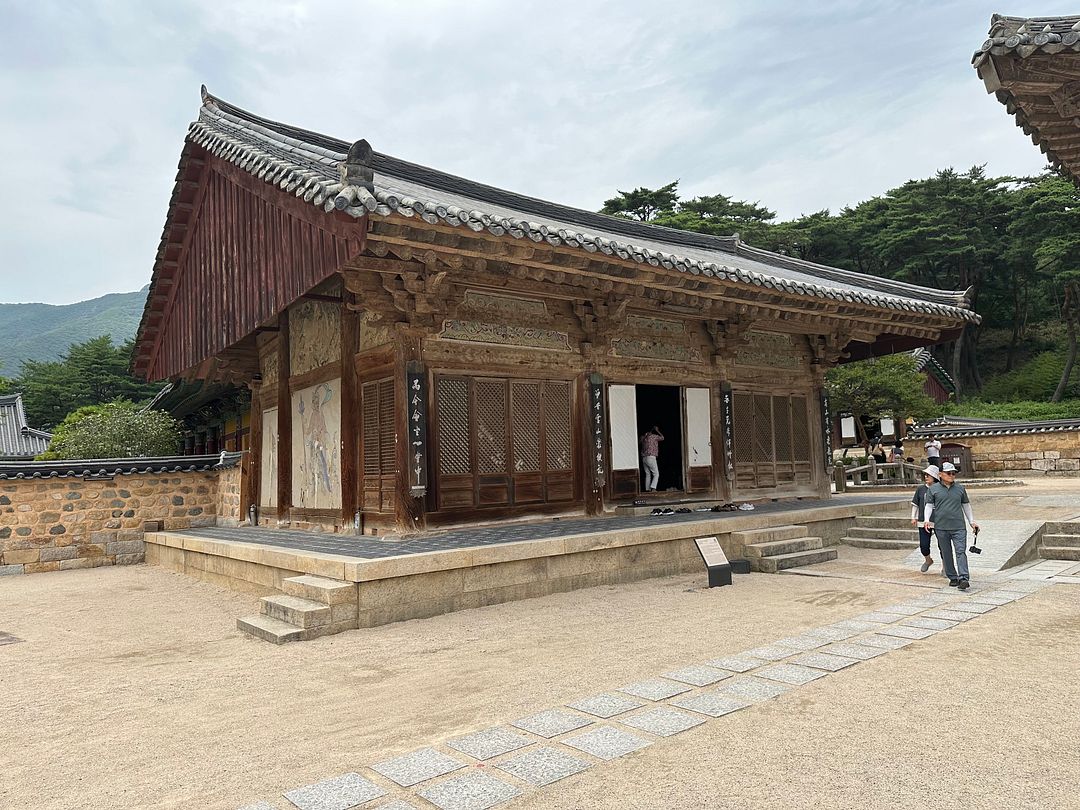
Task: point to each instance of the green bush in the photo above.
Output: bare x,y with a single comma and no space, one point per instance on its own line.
1035,380
117,430
1025,410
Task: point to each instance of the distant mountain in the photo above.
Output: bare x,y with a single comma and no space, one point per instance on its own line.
44,331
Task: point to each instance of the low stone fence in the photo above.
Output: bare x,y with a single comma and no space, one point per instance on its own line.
63,515
1025,455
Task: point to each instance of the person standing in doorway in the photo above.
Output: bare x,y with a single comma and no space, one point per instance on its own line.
918,508
948,514
933,451
650,449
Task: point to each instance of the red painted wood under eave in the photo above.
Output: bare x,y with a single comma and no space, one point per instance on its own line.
250,250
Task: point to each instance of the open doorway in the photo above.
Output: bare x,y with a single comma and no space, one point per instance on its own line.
661,406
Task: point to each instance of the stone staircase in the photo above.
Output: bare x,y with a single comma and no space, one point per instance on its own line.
781,547
882,532
1060,541
310,607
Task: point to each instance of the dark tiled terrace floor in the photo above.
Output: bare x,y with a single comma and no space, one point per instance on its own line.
364,547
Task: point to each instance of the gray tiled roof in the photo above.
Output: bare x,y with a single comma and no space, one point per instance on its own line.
924,359
309,165
17,440
1026,35
107,467
960,426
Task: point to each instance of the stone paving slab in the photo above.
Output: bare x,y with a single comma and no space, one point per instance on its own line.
606,743
654,689
902,610
881,641
848,649
418,766
771,652
860,626
790,673
807,641
543,765
395,805
605,705
829,663
914,633
754,689
714,704
834,633
492,742
929,623
662,721
472,791
951,615
971,607
700,675
736,663
339,793
552,723
878,617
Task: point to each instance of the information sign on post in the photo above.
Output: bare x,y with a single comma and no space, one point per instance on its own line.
716,562
416,389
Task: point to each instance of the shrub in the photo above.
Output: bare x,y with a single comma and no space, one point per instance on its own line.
1025,410
117,430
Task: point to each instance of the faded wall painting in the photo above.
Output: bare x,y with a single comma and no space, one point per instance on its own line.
314,335
316,446
268,478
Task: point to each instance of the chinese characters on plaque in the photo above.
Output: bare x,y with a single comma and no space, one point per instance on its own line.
596,428
727,405
416,392
826,429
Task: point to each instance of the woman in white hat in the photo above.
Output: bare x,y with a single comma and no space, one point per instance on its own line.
931,475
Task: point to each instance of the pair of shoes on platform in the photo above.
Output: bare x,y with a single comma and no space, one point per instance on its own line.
727,507
682,510
662,511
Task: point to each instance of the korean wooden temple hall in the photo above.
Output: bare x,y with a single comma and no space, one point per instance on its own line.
425,350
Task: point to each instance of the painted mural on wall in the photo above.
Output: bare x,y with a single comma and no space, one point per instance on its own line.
314,335
768,349
373,333
316,446
268,477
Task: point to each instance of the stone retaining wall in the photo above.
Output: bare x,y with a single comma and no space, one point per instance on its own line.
1027,454
63,523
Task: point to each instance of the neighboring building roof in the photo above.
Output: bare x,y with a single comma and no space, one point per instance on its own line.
925,361
17,440
960,426
108,467
1032,65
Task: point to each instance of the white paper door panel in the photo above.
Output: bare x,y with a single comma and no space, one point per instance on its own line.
622,424
698,427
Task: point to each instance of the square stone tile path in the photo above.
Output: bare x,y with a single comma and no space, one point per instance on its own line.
928,624
714,704
473,791
881,642
971,607
877,617
834,633
736,663
855,624
829,663
849,650
991,599
606,742
699,675
951,615
552,723
411,769
606,705
902,610
754,689
394,805
654,689
489,743
906,632
804,642
339,793
771,652
543,765
662,721
791,673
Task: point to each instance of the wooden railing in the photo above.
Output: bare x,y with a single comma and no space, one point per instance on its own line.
874,474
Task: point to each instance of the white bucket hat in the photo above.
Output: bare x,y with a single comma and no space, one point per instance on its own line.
933,472
948,467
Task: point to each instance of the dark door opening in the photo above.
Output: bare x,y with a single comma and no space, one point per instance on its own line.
661,406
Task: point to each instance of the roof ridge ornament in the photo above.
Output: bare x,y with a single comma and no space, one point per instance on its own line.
356,169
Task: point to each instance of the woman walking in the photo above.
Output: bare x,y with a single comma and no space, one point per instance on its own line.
918,507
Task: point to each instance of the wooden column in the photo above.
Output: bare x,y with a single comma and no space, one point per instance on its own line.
284,403
410,512
251,484
350,411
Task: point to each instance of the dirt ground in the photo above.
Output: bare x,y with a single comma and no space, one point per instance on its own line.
133,689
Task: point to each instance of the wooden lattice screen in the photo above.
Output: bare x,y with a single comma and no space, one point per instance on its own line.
378,463
772,440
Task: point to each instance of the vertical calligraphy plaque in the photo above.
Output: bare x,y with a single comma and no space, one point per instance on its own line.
826,429
597,431
727,409
416,388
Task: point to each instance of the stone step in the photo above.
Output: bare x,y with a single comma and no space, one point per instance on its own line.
771,565
768,535
877,542
1060,552
872,522
1070,540
1062,527
269,629
883,533
294,610
320,589
778,547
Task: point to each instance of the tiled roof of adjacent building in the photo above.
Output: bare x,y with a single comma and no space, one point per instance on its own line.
960,426
924,359
17,439
110,467
321,170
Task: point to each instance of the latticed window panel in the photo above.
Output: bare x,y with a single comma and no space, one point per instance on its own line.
452,407
743,408
387,456
557,425
525,426
782,428
763,451
491,412
800,428
369,394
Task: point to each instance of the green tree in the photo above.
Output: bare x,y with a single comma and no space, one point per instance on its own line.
118,429
643,203
880,387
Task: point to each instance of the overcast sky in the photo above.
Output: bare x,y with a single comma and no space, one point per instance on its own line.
800,106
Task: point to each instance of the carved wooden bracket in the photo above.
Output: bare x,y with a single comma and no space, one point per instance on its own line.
727,336
828,350
602,320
